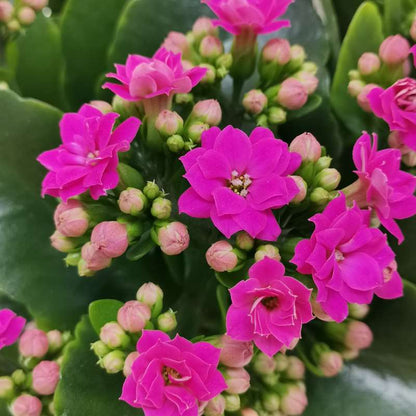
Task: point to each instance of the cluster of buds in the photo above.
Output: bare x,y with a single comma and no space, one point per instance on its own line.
115,349
382,69
29,389
286,82
201,47
183,135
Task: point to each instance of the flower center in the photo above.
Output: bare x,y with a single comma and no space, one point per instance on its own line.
92,156
167,371
338,256
270,302
239,183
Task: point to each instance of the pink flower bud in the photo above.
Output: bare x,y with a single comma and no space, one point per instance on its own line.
255,101
349,355
33,343
113,362
319,312
215,406
70,218
308,80
355,87
235,353
409,159
173,238
166,322
307,146
208,111
211,47
221,257
210,75
329,179
26,15
394,50
277,50
244,241
103,106
263,364
6,11
132,201
6,387
111,238
55,340
161,208
133,316
292,94
203,27
358,336
169,123
294,402
195,131
295,369
413,30
94,258
36,4
45,377
267,250
302,186
362,98
61,243
331,363
248,412
237,379
26,405
369,63
358,311
177,42
152,296
297,56
113,335
130,359
281,362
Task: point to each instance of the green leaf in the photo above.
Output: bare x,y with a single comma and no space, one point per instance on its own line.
382,382
87,31
141,248
85,388
36,61
223,299
314,101
364,35
103,311
397,16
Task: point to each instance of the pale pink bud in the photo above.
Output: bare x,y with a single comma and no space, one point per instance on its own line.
203,27
113,335
208,111
235,353
350,354
36,4
394,50
176,42
255,101
6,11
413,30
128,363
169,123
295,369
302,186
33,343
26,15
281,362
167,322
94,258
113,362
211,47
26,405
237,379
267,250
328,178
359,336
308,80
277,50
55,340
263,364
6,387
307,146
297,55
221,257
362,98
319,312
133,316
161,208
244,241
173,238
369,63
111,238
45,377
132,201
61,243
292,94
358,311
210,75
331,363
215,406
409,159
248,412
196,129
294,402
152,296
103,106
70,218
355,87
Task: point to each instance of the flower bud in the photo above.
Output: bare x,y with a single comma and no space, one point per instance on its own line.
210,75
295,369
19,377
221,256
267,250
129,177
128,363
292,94
349,355
232,402
277,115
177,42
133,316
263,364
215,406
161,208
294,401
173,238
362,98
369,63
330,363
94,258
357,311
281,362
6,388
211,47
249,412
71,219
310,67
26,405
33,343
412,31
203,27
169,123
13,25
102,106
61,243
151,190
113,335
278,51
244,241
55,340
235,353
100,349
184,98
132,201
355,87
166,322
308,80
270,402
207,111
323,163
152,296
307,146
358,336
26,16
320,196
318,311
6,11
111,238
195,131
394,50
83,270
51,408
45,377
329,179
113,362
303,188
175,143
254,102
224,61
36,4
134,228
297,58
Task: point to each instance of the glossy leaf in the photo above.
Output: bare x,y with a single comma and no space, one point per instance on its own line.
102,311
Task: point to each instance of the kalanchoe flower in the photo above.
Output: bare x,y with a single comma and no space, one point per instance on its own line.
173,238
11,326
237,180
381,185
177,42
294,401
221,256
394,50
237,379
171,377
269,308
330,363
88,157
346,259
133,316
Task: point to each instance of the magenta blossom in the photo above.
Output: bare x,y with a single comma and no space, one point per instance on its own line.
88,157
258,16
397,107
381,185
269,308
237,180
349,261
11,326
172,377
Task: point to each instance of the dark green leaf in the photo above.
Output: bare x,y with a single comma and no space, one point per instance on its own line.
314,101
223,299
141,248
345,11
103,311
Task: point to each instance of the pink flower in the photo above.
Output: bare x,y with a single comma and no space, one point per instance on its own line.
171,377
235,353
347,259
259,16
381,185
237,180
396,106
11,326
173,238
269,308
88,157
110,237
70,218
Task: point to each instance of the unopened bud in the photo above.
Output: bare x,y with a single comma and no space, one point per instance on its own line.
113,362
310,67
94,258
254,102
281,362
207,111
330,363
111,238
100,349
83,270
237,379
113,335
166,321
267,250
6,11
358,336
133,316
323,163
211,47
297,58
203,27
35,4
26,16
175,143
132,201
295,369
244,241
232,402
278,51
224,61
128,363
161,208
177,42
303,188
195,131
71,219
13,25
294,401
6,388
249,412
55,340
329,179
33,343
215,406
221,256
19,377
152,296
210,76
270,402
61,243
173,238
369,63
184,98
307,146
26,405
362,97
277,115
292,94
102,106
394,50
349,355
45,377
235,353
355,87
320,196
357,311
412,31
263,364
169,123
151,190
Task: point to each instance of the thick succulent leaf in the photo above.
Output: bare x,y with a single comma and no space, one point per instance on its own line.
102,311
397,16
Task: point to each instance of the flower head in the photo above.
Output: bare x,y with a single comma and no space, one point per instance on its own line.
88,157
11,326
269,308
259,16
171,377
237,180
347,259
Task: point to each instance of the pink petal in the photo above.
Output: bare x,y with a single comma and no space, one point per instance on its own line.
227,202
192,204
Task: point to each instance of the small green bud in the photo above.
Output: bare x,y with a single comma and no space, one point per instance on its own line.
166,322
6,388
244,241
196,129
151,190
329,179
100,349
270,401
232,402
161,208
184,98
323,163
210,76
277,115
175,143
72,259
19,377
224,61
320,196
134,228
113,362
151,295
